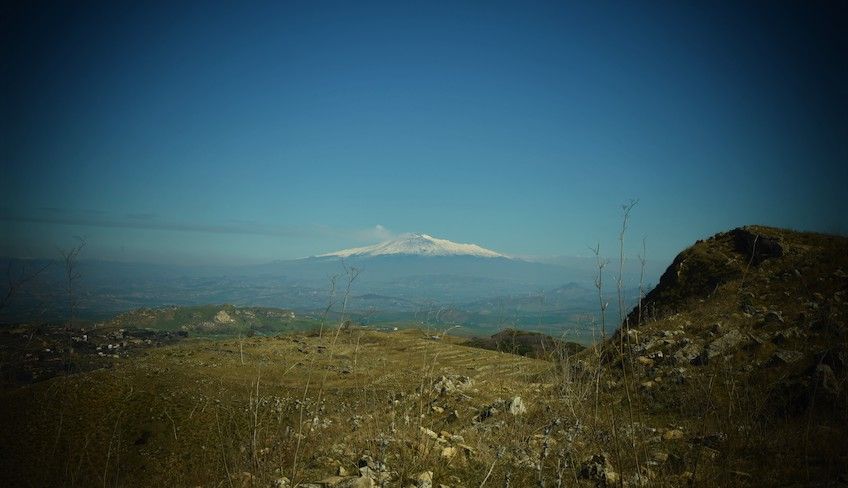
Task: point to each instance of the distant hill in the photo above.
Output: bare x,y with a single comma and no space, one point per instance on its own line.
402,278
211,319
531,344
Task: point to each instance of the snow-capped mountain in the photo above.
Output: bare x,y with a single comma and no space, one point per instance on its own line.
419,268
417,245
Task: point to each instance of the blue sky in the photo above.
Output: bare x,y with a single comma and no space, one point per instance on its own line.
246,133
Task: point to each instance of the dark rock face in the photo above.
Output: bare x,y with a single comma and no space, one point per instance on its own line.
694,274
699,270
757,247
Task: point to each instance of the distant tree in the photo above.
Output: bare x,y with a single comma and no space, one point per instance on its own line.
70,261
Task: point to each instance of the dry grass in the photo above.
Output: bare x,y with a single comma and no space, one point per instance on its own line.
233,412
187,414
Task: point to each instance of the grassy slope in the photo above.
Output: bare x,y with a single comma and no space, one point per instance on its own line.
182,416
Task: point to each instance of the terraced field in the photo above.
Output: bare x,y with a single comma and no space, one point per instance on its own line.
241,411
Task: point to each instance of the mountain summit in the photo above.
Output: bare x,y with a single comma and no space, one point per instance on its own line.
418,245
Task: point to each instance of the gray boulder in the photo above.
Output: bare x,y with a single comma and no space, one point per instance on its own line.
724,344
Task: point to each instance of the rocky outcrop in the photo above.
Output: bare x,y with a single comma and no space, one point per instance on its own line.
694,274
756,247
698,271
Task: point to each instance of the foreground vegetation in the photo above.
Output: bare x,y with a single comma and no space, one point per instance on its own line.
732,372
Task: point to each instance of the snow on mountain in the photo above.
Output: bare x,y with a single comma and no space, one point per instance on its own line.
417,244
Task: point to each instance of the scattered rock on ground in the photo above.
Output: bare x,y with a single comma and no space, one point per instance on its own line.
673,435
786,356
452,383
597,468
691,353
424,480
724,344
516,406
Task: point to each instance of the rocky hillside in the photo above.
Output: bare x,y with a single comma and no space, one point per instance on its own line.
745,339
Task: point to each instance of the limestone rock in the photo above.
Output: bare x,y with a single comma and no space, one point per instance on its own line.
429,433
786,356
424,480
691,353
347,482
516,406
673,435
724,344
452,383
645,361
598,469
